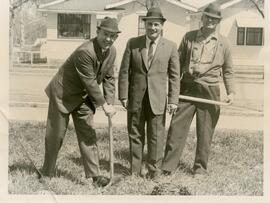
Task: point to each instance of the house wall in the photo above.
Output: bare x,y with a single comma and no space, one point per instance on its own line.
242,54
174,28
59,49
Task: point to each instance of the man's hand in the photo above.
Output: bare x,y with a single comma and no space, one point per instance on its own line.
172,108
109,109
124,103
230,98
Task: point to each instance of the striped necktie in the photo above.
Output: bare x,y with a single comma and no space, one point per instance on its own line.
150,52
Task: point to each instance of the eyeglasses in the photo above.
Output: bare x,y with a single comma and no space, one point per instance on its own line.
110,35
212,18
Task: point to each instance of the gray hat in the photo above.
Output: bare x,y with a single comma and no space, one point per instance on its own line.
109,24
213,10
154,13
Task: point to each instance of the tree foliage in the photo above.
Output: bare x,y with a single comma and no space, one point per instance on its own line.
259,5
26,23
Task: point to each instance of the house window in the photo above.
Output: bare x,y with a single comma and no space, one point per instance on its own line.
141,26
254,36
241,36
250,36
73,26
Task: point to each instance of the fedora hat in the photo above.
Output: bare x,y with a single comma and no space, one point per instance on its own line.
109,24
213,10
154,13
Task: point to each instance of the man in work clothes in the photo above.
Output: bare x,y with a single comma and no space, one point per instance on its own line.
204,56
148,62
75,91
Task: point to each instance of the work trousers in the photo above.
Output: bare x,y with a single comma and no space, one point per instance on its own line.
207,116
155,132
57,123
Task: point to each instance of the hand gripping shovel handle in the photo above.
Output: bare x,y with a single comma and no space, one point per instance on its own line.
111,148
207,101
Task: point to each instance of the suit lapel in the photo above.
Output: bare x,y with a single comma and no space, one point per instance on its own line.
104,66
143,52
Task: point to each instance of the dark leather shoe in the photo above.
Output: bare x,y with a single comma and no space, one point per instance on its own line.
200,172
100,181
153,175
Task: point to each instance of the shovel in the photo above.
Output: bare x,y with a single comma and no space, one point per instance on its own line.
111,149
201,100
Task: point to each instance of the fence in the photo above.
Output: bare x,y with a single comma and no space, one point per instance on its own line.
21,57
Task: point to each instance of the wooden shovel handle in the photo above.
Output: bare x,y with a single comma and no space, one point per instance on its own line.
201,100
111,148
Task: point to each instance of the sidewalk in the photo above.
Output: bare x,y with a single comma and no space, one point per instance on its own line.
28,101
225,121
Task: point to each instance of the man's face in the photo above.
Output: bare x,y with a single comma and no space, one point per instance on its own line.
105,38
210,22
153,28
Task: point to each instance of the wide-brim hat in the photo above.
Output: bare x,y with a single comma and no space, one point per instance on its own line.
109,24
154,13
213,10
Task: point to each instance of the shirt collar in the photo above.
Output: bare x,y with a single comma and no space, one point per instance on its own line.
149,40
101,54
214,35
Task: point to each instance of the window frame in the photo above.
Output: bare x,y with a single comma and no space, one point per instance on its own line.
243,29
141,28
82,24
254,32
246,34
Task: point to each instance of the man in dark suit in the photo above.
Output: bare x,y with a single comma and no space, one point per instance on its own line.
150,64
75,91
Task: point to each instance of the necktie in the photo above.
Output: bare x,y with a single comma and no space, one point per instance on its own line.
150,53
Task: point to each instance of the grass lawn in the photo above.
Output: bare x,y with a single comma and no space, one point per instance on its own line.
235,165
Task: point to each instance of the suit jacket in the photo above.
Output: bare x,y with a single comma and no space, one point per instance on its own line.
135,77
79,77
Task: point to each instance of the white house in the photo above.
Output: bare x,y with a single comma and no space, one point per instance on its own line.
70,22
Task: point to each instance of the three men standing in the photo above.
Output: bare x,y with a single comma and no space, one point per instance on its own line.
204,56
150,62
149,83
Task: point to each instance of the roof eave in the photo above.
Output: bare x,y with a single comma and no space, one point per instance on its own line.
117,4
43,6
229,4
183,5
76,11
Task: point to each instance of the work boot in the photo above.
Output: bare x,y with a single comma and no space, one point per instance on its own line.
166,173
155,176
100,181
200,172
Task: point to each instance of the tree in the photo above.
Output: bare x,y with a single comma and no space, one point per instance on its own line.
259,4
149,3
25,24
152,3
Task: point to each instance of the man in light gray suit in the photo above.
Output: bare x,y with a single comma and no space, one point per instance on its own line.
150,64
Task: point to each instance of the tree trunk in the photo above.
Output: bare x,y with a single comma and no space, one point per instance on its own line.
22,41
11,35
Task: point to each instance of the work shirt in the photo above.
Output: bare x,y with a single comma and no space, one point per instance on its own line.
205,60
203,53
